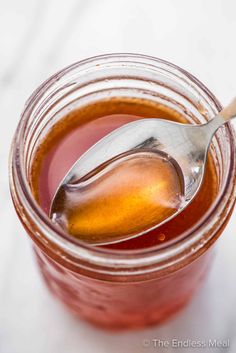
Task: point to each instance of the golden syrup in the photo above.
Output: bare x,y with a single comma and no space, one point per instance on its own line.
128,196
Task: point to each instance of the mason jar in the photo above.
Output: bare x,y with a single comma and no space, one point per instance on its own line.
110,288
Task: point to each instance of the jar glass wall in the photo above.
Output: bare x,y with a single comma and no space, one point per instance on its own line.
112,288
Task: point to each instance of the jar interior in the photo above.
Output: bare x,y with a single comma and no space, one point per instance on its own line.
130,80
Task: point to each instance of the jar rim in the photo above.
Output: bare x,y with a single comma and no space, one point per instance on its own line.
22,193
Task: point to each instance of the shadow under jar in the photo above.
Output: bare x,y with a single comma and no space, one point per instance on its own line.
138,282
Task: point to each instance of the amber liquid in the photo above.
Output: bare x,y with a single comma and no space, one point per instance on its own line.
127,196
79,130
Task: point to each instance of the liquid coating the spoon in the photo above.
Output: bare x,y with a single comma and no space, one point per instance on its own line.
186,144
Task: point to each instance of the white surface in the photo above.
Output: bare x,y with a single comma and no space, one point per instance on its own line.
36,39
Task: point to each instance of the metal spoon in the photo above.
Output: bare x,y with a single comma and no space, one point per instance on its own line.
186,144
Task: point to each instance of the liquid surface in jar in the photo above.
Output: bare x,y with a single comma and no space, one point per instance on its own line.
127,196
78,131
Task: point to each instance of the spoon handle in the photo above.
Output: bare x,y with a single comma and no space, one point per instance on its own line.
229,112
226,114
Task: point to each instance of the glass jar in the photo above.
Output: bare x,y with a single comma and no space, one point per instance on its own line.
121,289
